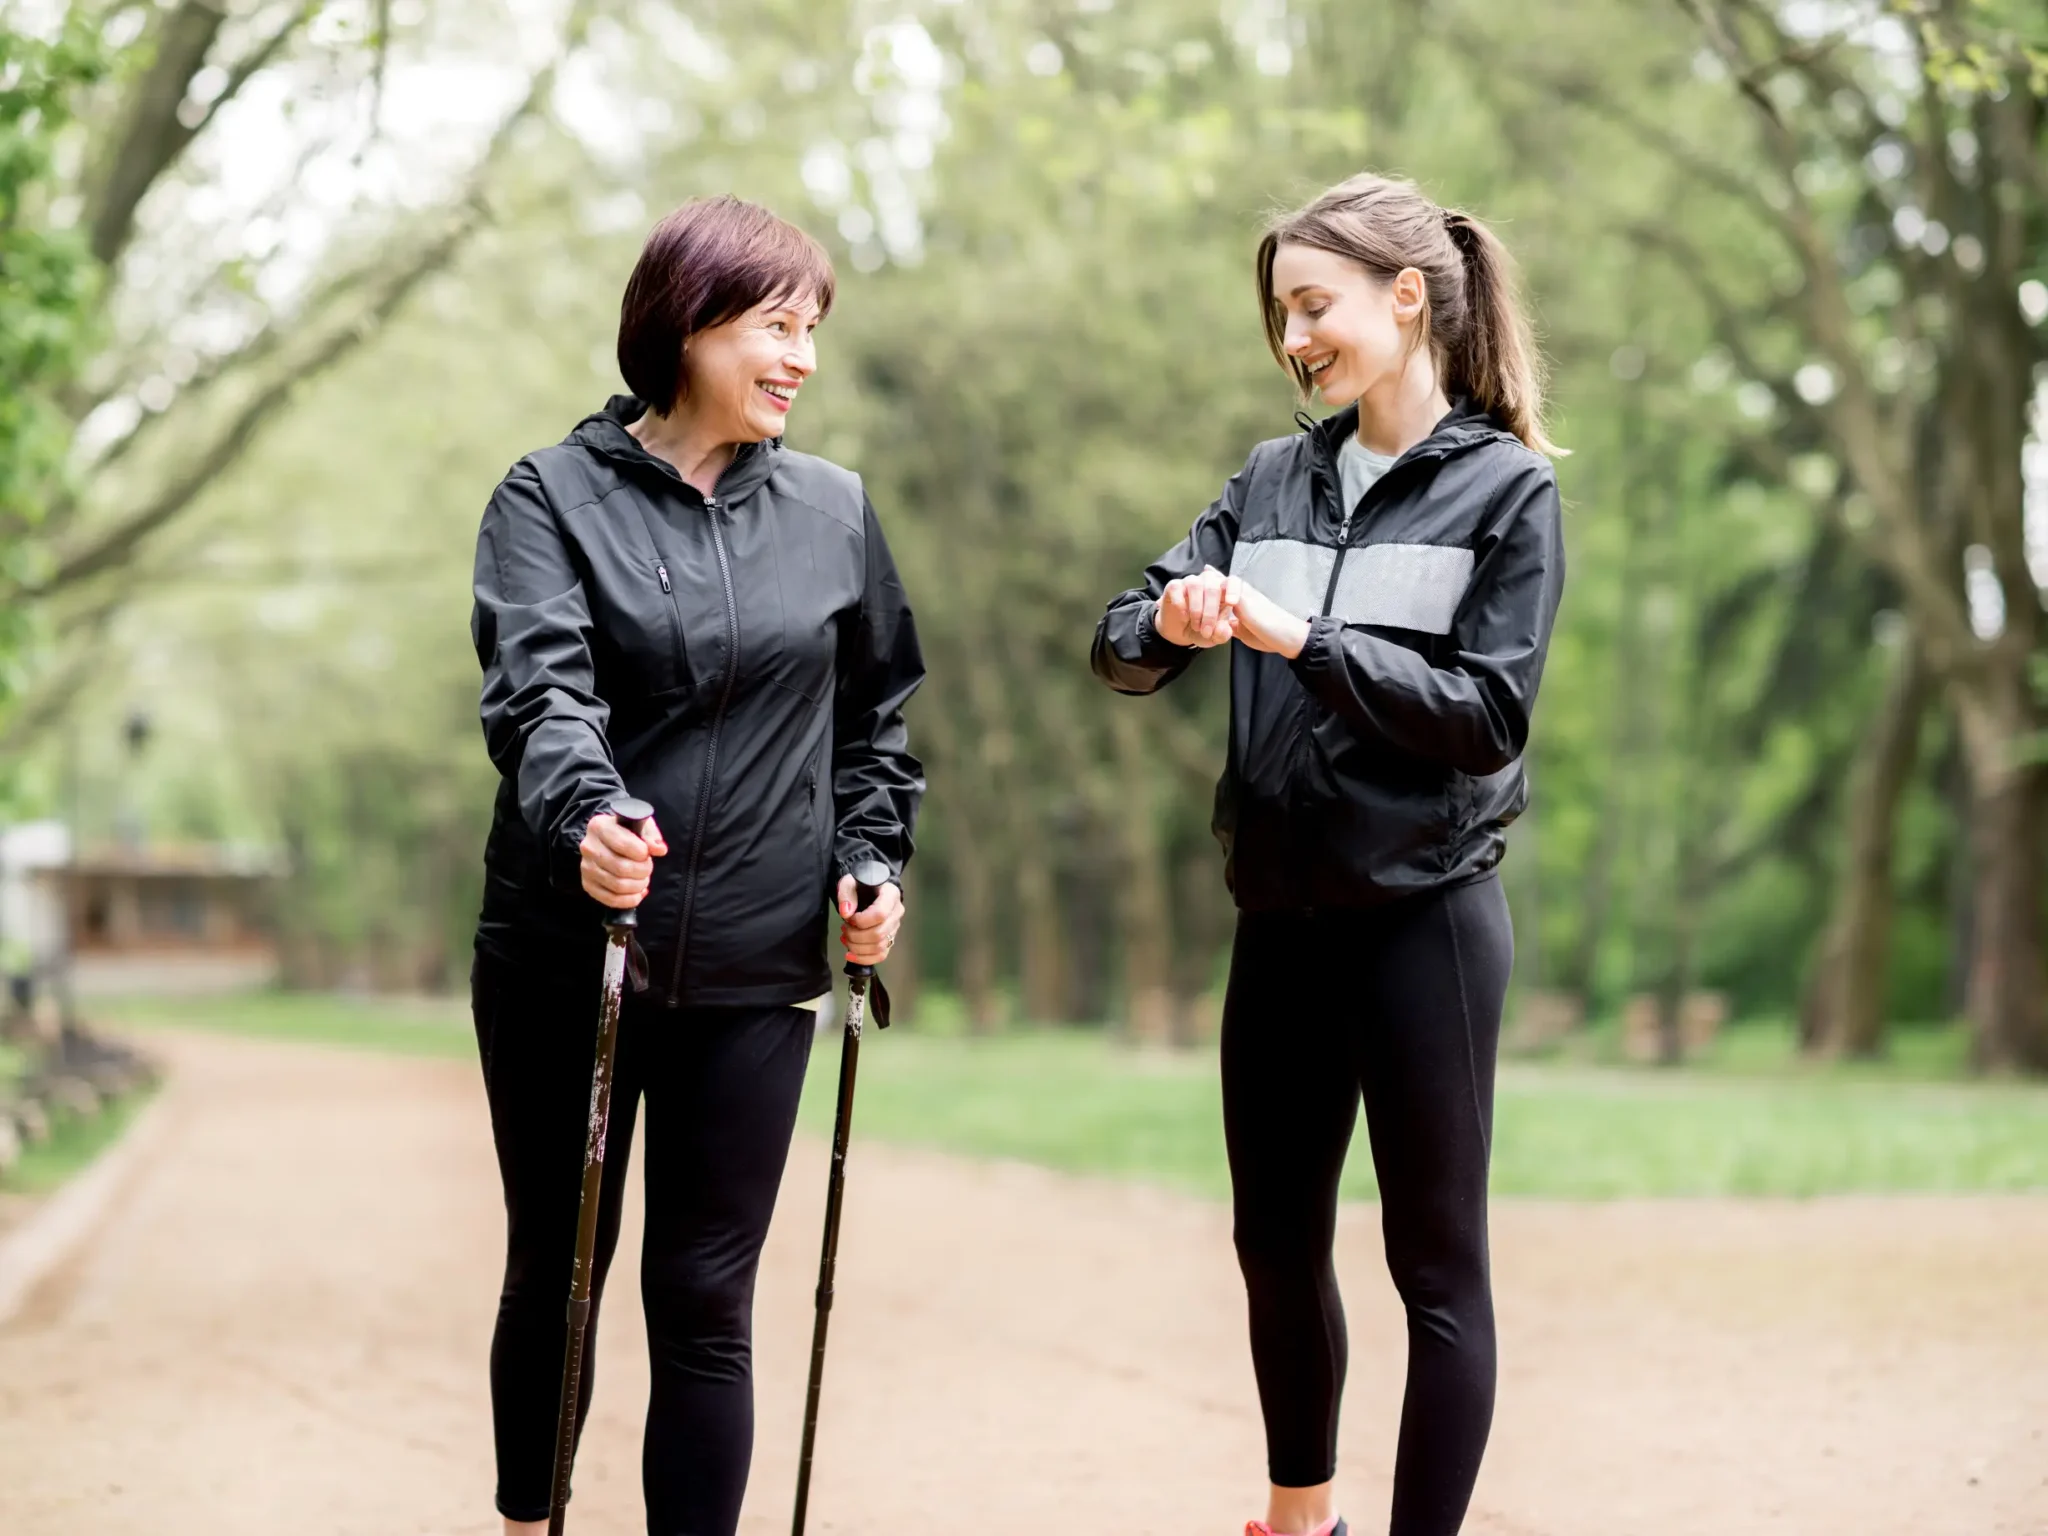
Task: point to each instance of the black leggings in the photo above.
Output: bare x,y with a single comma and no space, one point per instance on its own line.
1401,1003
722,1086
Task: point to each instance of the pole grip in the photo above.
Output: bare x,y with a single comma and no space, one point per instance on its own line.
633,815
869,877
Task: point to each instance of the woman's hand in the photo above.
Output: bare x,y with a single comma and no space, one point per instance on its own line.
1262,623
1193,611
1209,609
868,936
617,865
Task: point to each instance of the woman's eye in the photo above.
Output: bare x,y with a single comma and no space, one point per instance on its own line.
1317,314
778,327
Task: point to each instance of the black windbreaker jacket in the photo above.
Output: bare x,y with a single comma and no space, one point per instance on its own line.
1386,758
741,661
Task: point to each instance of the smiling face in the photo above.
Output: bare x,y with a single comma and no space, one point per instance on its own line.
741,378
1347,328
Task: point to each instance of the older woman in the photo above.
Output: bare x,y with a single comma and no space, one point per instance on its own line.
672,605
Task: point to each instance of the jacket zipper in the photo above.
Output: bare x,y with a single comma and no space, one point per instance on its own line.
732,666
1337,565
1344,530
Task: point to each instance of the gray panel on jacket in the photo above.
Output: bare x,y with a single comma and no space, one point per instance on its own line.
1292,572
1403,586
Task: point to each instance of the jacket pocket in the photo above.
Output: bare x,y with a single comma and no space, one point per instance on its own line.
679,658
819,815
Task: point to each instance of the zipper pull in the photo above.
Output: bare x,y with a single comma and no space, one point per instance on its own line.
711,505
662,571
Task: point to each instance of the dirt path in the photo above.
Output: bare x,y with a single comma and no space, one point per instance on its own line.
281,1328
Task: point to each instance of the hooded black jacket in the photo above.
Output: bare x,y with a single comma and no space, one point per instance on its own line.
741,661
1386,757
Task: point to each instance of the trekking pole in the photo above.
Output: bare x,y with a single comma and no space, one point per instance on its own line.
868,880
633,815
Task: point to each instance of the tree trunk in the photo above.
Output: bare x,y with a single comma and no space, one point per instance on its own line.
1203,922
1142,897
2008,981
974,897
1843,1013
1042,966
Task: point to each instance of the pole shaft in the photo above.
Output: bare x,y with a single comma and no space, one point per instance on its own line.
828,1258
586,1221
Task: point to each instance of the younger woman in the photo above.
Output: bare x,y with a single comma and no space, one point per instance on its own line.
1391,575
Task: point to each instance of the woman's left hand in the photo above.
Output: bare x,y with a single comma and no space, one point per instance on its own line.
1262,623
868,936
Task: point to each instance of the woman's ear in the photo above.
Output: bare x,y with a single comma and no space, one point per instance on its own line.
1411,294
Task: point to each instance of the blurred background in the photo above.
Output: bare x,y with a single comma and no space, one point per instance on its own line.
289,286
285,287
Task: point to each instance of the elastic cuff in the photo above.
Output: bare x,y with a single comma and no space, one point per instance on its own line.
1315,651
854,853
565,872
1151,643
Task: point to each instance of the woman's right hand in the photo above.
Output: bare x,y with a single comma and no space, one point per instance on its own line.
617,865
1195,610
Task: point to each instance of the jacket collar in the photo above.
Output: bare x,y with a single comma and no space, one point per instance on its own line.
1464,426
604,432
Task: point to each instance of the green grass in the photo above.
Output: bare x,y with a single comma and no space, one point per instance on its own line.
404,1026
1766,1047
75,1140
1750,1119
1076,1101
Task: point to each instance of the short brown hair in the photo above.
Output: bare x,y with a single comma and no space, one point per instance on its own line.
711,260
1473,319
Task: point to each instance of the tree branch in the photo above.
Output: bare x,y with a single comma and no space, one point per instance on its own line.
151,136
116,545
258,57
1585,93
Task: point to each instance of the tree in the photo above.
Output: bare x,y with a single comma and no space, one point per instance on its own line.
195,353
1871,205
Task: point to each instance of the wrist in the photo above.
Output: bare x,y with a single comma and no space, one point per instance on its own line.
1293,637
1154,615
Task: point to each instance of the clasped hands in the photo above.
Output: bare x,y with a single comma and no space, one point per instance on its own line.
1212,608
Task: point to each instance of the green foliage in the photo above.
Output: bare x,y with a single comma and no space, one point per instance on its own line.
47,275
1045,359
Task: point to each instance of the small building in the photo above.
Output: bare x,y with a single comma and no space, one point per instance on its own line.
153,918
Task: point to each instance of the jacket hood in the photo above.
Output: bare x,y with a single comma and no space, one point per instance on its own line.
603,432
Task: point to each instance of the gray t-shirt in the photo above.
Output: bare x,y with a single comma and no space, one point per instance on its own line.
1358,467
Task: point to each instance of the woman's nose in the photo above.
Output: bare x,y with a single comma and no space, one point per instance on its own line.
1297,339
802,360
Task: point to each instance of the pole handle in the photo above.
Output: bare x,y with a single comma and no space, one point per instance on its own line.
869,876
633,815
